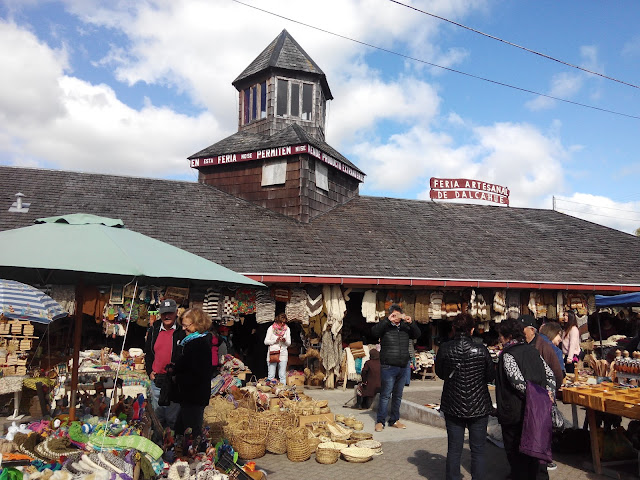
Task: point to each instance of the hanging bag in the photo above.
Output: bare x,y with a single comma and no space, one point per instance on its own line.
274,355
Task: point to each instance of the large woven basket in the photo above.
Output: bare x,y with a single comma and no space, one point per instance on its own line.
372,444
276,440
357,454
327,454
298,449
260,422
249,444
361,436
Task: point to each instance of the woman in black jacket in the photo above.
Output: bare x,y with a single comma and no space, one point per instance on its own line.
466,368
193,371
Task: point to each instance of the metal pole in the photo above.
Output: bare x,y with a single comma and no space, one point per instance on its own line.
77,339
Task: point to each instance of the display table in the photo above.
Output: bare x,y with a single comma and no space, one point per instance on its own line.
606,397
13,384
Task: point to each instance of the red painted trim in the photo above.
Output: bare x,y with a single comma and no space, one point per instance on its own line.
409,282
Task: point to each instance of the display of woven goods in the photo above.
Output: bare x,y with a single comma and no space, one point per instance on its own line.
357,454
298,449
5,328
328,453
16,327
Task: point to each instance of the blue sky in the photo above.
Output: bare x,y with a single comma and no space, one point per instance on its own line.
134,88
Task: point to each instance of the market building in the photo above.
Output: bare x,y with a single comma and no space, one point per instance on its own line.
277,203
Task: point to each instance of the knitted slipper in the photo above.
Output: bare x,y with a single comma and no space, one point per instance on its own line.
109,462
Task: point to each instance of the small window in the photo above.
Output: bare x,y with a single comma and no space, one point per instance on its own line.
295,100
254,102
245,106
322,176
274,173
283,97
307,101
263,100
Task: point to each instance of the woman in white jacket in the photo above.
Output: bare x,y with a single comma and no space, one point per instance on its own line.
278,339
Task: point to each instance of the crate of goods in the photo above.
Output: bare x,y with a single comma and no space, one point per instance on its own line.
589,396
625,403
5,328
295,378
16,327
28,329
21,370
25,344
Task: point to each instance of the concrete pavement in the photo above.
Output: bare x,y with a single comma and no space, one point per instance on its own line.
417,452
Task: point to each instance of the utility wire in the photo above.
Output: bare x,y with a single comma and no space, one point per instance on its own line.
598,206
439,66
514,44
598,214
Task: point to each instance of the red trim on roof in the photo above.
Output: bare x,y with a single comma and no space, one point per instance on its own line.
409,282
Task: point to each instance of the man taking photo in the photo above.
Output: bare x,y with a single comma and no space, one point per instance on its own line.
395,333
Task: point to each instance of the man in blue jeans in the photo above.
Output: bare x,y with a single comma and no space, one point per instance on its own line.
395,333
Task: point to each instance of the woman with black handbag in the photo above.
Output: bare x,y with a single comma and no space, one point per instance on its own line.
278,339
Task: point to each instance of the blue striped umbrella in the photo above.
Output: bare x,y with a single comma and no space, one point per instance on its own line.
19,301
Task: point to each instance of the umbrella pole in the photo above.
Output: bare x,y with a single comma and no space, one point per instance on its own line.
77,338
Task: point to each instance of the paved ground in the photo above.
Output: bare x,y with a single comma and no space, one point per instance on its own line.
414,453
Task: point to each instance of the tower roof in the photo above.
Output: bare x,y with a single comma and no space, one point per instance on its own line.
283,54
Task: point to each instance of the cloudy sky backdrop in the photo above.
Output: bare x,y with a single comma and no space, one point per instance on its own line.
134,88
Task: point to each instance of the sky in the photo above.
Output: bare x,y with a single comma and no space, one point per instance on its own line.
134,88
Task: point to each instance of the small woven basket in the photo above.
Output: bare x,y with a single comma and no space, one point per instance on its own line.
327,454
349,421
358,425
298,449
313,443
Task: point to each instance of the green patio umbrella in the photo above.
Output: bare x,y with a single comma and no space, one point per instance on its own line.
92,244
85,245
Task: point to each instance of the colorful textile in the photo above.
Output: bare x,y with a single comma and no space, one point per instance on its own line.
246,301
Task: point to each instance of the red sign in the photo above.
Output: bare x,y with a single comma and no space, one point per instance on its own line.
462,188
274,153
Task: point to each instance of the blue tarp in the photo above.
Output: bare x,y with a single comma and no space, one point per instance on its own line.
624,299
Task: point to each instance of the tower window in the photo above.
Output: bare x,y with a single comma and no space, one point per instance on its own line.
254,102
263,100
283,98
322,176
293,98
307,101
274,173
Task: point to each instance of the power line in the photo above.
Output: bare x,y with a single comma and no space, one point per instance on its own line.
408,57
598,206
514,44
599,215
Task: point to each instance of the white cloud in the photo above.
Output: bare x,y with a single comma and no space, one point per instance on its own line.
517,156
623,216
632,48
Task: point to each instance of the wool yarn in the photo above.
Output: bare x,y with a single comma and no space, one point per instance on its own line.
265,307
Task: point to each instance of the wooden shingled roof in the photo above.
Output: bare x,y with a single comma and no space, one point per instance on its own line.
367,236
283,54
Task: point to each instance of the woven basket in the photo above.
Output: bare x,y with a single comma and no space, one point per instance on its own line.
325,410
260,422
349,421
356,454
361,436
276,440
339,417
298,449
372,444
335,437
358,425
283,419
322,403
313,443
249,444
326,454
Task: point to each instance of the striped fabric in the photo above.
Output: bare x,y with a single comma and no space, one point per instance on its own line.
24,302
212,303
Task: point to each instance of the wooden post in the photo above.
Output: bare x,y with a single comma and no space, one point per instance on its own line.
593,435
77,339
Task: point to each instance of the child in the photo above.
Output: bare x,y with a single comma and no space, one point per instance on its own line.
370,381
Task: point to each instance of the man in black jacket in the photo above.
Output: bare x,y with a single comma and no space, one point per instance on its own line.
466,368
161,349
394,332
